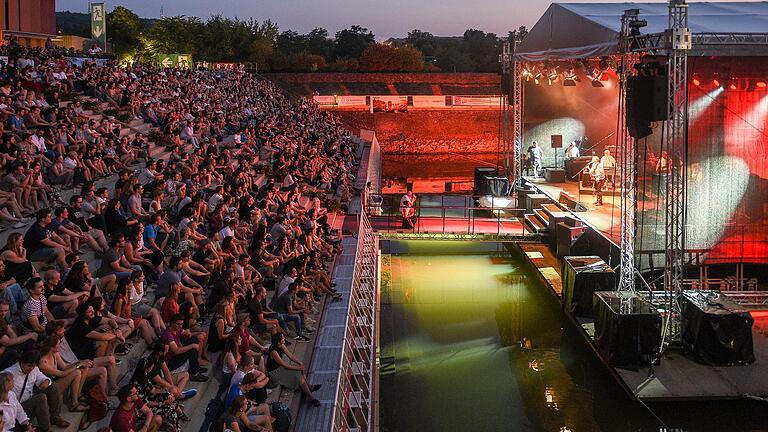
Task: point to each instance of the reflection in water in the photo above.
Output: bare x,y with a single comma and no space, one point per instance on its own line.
477,344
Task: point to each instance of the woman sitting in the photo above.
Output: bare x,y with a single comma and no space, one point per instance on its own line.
158,385
243,416
65,376
121,308
288,373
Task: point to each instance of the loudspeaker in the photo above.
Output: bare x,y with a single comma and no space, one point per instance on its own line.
557,141
646,103
480,185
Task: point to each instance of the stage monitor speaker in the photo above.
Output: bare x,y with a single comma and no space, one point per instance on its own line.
627,329
480,174
496,186
554,175
557,141
582,276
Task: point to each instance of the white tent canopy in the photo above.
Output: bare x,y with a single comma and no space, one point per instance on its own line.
582,30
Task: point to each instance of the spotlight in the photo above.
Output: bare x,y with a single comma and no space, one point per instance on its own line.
695,81
760,84
716,83
569,82
597,83
570,78
733,85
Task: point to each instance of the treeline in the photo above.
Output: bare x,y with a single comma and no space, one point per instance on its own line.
263,45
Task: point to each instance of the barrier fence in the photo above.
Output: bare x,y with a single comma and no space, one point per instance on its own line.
397,103
356,392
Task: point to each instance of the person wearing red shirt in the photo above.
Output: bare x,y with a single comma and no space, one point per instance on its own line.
127,413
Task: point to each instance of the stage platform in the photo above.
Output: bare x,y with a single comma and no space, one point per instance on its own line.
678,377
435,226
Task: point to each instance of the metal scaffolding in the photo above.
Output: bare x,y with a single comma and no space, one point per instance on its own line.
506,132
628,157
676,145
517,110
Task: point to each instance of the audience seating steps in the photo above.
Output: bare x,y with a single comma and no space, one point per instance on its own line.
195,407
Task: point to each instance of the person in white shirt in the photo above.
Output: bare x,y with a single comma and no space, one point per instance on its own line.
12,410
45,405
537,156
572,151
609,166
597,173
407,209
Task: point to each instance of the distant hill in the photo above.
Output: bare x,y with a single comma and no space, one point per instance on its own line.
79,24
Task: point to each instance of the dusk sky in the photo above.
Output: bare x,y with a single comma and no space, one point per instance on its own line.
386,18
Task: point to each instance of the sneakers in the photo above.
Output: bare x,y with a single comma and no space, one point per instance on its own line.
188,394
198,377
301,338
309,329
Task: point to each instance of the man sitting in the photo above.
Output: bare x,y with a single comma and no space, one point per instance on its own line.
126,415
182,348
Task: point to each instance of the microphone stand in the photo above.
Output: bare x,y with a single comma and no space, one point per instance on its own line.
578,182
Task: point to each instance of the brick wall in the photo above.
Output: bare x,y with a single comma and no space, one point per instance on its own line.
429,132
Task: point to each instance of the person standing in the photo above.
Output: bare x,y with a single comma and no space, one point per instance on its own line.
597,173
536,155
572,151
609,167
408,210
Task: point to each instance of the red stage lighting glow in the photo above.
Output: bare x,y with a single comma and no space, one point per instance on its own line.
760,84
732,86
716,83
696,82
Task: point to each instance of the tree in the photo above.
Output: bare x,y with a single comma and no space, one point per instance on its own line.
318,42
389,58
125,27
290,42
353,41
174,35
483,48
422,40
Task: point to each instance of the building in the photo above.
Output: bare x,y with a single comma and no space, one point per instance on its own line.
31,21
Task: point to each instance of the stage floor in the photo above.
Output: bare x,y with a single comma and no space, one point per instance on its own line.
677,377
606,218
451,225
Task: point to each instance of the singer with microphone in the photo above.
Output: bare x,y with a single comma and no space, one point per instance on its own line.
597,173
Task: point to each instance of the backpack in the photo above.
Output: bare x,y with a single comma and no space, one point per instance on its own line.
282,415
98,408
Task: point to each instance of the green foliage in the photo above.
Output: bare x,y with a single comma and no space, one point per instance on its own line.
353,41
262,46
124,31
390,58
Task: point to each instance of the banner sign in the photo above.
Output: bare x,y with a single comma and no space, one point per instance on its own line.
324,100
389,103
181,61
429,101
99,24
351,101
486,101
78,61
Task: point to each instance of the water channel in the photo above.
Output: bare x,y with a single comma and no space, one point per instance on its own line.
470,340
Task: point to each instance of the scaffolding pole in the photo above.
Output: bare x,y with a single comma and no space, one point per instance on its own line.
628,154
675,142
517,112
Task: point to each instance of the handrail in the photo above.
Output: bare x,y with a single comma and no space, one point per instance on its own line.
389,208
355,398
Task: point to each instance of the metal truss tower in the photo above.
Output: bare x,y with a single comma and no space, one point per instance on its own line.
517,110
676,145
506,132
628,153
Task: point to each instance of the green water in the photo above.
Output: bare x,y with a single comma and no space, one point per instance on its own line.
452,357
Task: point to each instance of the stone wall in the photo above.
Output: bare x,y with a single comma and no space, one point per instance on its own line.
429,132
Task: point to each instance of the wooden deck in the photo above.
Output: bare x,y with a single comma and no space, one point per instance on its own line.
678,377
452,225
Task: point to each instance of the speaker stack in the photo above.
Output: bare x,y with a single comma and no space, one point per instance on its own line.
646,103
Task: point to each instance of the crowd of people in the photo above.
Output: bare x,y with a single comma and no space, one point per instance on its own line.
216,256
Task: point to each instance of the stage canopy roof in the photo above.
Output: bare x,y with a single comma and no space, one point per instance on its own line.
583,30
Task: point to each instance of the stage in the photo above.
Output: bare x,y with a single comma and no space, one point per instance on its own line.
678,377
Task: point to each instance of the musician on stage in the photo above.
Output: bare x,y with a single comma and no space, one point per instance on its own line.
597,173
572,151
407,210
536,155
609,167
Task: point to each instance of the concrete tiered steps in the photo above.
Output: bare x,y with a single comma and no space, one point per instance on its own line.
195,407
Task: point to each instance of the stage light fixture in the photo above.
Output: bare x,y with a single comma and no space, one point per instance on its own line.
597,83
760,84
696,81
716,83
733,85
569,83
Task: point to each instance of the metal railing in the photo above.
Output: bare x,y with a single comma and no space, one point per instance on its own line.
446,215
355,393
